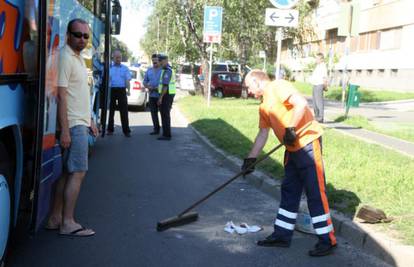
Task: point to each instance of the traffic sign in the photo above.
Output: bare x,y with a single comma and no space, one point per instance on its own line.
212,24
282,18
284,4
262,54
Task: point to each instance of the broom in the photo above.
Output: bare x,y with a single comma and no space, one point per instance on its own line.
186,217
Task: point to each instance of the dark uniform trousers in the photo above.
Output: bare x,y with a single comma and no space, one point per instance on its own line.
153,105
304,170
165,110
119,95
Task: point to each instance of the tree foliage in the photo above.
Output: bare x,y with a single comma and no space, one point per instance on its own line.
119,45
175,27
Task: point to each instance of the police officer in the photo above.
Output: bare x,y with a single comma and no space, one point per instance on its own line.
120,80
151,82
286,112
166,89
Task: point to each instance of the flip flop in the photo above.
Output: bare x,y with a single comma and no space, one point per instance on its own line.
77,233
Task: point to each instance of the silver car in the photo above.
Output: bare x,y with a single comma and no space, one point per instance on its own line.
137,94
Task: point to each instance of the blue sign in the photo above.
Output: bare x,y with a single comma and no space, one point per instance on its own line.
212,20
284,4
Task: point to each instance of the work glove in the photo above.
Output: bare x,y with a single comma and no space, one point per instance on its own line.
290,136
246,163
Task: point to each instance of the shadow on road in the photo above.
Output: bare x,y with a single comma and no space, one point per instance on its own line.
347,201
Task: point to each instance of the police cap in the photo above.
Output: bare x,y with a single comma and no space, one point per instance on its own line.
162,56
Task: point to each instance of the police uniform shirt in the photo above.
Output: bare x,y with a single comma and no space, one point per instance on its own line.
167,75
119,74
152,78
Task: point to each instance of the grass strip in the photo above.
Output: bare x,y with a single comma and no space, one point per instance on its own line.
357,172
335,93
402,131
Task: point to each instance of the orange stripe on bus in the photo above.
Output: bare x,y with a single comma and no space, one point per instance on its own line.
317,153
49,141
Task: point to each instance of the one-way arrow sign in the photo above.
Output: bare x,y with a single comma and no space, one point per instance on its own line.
282,18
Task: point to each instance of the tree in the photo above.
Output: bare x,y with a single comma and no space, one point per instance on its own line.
119,45
176,26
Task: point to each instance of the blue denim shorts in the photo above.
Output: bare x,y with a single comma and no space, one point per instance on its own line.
75,158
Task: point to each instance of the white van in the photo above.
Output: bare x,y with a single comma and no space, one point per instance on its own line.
185,78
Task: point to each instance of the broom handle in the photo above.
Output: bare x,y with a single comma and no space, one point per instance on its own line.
239,174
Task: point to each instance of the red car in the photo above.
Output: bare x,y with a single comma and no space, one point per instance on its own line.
225,83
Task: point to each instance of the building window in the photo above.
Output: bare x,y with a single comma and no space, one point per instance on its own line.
374,39
390,38
354,44
369,72
394,73
363,42
381,72
358,73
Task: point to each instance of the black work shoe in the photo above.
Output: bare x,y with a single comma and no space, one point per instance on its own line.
273,241
322,249
164,138
110,132
154,133
127,134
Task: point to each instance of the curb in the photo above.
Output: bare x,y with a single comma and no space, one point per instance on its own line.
357,234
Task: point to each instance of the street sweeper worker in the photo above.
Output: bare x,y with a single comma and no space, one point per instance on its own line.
286,112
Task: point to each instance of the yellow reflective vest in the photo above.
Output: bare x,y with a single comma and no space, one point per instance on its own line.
171,85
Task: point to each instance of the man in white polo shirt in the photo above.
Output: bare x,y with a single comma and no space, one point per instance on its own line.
319,80
74,117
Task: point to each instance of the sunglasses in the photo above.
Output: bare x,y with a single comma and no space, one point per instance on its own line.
80,35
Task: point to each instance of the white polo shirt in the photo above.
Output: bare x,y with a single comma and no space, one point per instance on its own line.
319,74
74,76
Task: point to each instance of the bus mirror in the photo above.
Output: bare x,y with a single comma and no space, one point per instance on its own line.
116,19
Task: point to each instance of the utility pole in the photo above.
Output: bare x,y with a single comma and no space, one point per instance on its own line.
158,34
166,39
279,50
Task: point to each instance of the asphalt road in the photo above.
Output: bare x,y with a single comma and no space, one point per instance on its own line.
134,182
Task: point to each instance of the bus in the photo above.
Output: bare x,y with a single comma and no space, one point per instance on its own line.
31,34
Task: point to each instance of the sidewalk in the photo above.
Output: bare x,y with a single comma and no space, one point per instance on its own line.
382,114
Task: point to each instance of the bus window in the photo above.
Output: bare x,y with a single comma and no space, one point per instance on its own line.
116,18
30,45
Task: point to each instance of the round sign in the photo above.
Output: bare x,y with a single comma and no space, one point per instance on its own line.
284,4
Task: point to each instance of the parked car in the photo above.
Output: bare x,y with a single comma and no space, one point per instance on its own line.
227,66
224,83
185,77
137,94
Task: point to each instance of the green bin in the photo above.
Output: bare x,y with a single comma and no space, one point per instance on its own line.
353,96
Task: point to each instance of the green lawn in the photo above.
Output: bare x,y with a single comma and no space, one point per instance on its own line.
403,131
335,93
357,172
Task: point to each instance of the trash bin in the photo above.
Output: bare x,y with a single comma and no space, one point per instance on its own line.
353,96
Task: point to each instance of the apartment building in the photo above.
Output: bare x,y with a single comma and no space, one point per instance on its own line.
370,41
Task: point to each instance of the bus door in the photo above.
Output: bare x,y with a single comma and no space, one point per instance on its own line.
47,165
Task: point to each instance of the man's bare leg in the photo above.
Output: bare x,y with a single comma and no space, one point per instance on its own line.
70,197
55,217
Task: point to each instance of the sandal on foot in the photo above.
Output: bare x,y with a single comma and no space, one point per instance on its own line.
79,233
